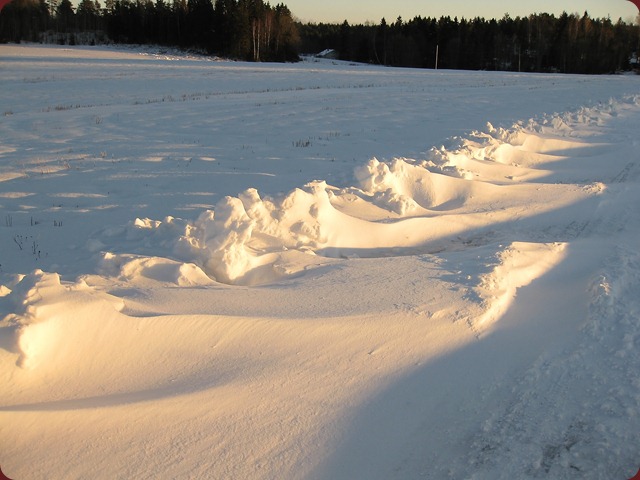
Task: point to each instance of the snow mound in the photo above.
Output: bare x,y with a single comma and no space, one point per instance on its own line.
408,189
249,239
134,267
517,146
530,146
247,232
516,266
39,303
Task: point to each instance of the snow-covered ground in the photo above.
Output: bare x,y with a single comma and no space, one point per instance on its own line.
315,271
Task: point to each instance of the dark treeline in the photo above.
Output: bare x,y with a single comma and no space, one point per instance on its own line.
255,30
538,43
245,29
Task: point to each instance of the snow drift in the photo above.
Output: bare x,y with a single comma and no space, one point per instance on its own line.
401,205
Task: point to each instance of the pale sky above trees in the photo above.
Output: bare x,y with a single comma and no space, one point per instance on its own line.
360,11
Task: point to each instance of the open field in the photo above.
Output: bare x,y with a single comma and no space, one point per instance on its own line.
318,270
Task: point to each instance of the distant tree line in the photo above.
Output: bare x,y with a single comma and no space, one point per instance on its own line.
244,29
255,30
538,43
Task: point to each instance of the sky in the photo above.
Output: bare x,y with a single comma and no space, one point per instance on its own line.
360,11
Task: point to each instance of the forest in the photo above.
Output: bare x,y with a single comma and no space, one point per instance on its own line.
256,31
543,42
243,29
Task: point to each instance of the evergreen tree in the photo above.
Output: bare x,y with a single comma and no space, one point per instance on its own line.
23,20
88,15
65,16
200,24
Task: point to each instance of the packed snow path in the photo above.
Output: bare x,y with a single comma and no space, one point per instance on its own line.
222,270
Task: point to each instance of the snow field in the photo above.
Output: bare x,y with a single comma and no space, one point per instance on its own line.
267,275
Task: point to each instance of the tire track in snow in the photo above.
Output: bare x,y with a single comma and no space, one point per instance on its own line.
573,413
605,219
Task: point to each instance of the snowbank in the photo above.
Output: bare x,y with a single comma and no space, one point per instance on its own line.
404,204
43,308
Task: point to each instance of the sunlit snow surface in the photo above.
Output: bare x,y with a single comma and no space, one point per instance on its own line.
318,270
